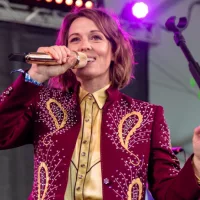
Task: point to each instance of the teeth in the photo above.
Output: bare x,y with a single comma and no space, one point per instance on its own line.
91,59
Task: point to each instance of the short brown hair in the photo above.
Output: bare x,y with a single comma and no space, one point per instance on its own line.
121,67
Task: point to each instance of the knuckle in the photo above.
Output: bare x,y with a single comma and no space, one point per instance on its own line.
40,49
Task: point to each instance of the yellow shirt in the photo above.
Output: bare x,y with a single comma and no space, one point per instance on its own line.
85,179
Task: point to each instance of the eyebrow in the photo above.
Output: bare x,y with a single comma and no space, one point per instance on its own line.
92,31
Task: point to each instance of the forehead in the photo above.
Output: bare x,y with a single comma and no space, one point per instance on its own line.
82,25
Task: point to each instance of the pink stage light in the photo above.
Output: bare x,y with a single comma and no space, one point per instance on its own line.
140,10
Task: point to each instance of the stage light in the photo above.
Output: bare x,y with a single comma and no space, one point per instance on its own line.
63,5
134,11
140,10
79,3
89,4
58,1
69,2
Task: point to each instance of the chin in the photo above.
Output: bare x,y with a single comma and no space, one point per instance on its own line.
86,76
86,72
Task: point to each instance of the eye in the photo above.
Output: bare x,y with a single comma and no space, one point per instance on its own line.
96,37
75,39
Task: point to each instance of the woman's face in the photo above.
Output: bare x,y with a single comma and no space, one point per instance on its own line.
84,36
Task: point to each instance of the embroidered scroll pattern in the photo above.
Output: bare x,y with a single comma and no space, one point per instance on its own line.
135,182
46,166
44,174
130,185
62,117
165,143
56,112
125,141
123,118
129,125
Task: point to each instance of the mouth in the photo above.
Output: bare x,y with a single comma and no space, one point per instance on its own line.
91,59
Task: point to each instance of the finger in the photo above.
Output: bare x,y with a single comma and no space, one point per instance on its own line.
71,61
59,52
197,130
55,54
68,51
48,51
64,54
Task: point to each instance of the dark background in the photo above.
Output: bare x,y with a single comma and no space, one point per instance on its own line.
16,165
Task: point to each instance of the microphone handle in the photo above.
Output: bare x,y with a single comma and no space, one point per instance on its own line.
40,58
46,59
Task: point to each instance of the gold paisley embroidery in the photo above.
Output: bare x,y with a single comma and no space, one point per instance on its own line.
57,125
48,103
43,166
125,142
138,182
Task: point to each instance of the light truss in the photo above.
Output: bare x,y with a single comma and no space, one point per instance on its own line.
17,13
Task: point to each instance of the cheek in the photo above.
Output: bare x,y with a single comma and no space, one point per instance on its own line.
72,47
104,52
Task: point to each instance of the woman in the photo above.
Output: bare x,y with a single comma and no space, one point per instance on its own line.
91,141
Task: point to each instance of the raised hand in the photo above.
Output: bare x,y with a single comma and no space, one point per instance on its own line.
61,54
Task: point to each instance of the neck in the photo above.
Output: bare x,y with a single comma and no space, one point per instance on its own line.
93,85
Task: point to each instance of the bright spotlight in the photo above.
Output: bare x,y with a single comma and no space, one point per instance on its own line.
79,3
134,11
140,10
58,1
69,2
89,4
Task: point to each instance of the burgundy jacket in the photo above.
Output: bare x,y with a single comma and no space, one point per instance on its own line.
135,143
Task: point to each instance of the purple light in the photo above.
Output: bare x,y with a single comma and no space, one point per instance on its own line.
140,10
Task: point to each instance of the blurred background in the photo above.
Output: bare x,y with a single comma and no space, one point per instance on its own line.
161,73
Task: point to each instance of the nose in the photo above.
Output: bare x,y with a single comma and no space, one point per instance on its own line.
85,45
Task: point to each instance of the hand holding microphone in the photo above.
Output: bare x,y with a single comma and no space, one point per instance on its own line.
51,61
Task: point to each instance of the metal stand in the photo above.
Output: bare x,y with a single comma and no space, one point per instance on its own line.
180,41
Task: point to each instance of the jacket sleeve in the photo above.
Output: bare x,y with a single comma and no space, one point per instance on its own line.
16,113
166,180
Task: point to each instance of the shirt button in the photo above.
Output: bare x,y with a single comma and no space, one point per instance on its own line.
90,96
83,153
106,181
10,88
87,120
80,176
78,188
85,141
82,165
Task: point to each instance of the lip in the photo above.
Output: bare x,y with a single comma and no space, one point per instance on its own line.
91,57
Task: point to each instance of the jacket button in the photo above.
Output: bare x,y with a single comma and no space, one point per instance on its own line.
106,181
10,88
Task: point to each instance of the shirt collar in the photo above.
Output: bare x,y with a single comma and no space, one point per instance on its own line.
99,96
82,94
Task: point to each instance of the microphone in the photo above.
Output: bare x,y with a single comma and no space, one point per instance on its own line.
177,150
47,59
